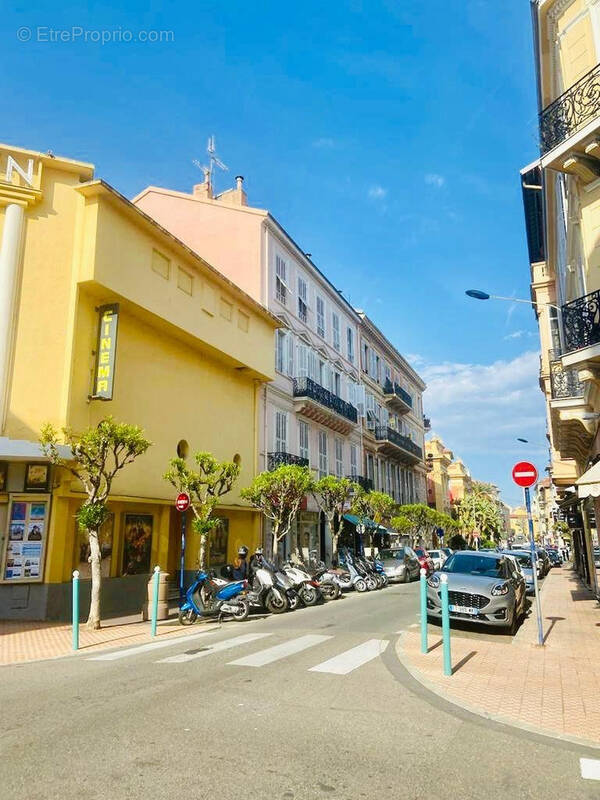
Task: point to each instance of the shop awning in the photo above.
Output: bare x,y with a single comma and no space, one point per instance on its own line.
24,450
354,520
588,485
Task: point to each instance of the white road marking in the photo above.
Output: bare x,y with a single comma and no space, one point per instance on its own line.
414,625
226,644
352,659
590,769
280,651
142,648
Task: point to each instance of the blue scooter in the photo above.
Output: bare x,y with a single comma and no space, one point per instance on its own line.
209,596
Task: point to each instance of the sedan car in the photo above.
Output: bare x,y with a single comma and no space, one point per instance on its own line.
438,557
523,559
546,566
400,563
555,558
425,562
482,587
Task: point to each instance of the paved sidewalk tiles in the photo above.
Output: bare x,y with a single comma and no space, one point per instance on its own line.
555,687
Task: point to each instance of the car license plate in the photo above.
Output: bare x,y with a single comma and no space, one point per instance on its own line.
464,610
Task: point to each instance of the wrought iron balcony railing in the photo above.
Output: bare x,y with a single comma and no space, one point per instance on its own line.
387,434
395,388
306,387
364,483
571,111
581,321
279,458
563,380
426,423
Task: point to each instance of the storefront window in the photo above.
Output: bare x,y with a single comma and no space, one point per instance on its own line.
82,548
137,544
218,544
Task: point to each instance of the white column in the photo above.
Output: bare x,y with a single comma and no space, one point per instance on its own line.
10,253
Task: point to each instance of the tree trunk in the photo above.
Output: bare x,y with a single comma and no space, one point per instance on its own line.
93,621
202,551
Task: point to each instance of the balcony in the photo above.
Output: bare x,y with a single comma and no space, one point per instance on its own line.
564,381
426,423
570,112
396,444
397,398
581,322
280,458
365,483
319,404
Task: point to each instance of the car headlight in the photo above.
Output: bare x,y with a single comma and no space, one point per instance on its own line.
500,589
434,581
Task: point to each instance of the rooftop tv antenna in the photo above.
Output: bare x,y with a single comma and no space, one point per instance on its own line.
213,161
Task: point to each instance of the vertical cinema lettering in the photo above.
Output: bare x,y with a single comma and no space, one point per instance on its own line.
105,352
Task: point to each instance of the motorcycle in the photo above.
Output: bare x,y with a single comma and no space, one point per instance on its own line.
328,580
307,587
209,596
368,573
378,571
280,595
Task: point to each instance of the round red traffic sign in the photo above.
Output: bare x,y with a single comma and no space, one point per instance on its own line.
524,474
183,502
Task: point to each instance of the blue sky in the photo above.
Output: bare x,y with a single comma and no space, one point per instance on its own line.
385,135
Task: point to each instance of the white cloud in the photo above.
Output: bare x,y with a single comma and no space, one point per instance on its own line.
433,179
377,192
519,335
480,409
324,143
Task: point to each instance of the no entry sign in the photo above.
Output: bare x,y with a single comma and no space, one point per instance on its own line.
524,474
183,502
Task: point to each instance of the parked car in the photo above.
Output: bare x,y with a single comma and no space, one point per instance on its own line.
448,551
400,563
438,557
523,559
482,587
555,557
424,561
545,561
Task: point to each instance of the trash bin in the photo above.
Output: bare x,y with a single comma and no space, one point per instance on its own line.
163,598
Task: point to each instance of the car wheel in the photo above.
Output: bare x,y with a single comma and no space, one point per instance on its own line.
406,576
514,624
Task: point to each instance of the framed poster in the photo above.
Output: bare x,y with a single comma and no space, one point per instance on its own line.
37,477
137,544
24,551
219,540
82,548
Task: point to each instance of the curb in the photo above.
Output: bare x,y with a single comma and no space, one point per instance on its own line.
509,721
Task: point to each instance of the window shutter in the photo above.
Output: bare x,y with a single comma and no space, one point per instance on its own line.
290,353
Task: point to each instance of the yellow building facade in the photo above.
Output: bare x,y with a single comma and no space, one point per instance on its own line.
438,460
189,354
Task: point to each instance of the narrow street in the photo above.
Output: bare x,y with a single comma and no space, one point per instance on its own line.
306,705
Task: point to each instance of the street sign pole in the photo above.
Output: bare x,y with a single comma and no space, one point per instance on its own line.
182,558
534,561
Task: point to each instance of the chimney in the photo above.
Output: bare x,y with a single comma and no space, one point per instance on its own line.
203,191
234,197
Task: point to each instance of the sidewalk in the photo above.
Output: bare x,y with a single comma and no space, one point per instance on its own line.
552,689
32,641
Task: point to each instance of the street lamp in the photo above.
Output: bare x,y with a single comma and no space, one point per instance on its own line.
478,294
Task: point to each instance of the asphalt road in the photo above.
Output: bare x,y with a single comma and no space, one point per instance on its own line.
198,726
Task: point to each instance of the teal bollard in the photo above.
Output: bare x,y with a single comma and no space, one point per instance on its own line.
446,627
155,583
423,580
76,610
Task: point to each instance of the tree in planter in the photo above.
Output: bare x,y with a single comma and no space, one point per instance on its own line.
278,494
204,486
333,496
376,506
98,454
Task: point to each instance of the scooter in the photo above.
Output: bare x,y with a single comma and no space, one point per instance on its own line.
209,596
378,571
328,581
270,586
307,587
357,578
367,572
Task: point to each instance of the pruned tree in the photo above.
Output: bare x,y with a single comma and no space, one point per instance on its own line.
333,496
204,486
97,455
278,494
423,521
376,506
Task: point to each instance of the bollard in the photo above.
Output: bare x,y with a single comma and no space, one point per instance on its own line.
423,611
155,583
76,610
446,627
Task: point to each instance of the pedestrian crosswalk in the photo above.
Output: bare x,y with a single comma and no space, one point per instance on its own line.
343,662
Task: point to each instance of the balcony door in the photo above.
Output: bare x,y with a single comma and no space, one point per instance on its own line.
576,42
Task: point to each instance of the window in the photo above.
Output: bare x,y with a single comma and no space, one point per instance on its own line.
280,432
339,458
281,289
365,358
303,439
373,364
353,460
322,454
302,360
337,384
388,373
336,331
350,343
370,468
377,375
279,350
302,299
321,317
